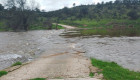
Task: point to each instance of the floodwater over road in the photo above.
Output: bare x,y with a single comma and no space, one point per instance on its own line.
24,46
123,50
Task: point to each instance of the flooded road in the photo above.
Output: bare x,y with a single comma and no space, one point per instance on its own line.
123,50
25,46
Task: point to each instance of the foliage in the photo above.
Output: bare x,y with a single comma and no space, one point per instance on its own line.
118,9
17,63
133,15
3,73
113,71
23,17
17,15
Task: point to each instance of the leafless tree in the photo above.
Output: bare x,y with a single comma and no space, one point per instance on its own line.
22,14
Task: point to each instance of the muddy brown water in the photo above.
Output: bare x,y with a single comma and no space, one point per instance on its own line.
25,46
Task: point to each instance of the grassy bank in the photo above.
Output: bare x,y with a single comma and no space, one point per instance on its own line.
113,71
111,32
105,23
105,27
33,27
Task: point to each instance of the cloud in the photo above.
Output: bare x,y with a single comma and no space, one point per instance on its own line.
50,5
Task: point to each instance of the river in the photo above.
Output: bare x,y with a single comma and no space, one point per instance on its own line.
26,46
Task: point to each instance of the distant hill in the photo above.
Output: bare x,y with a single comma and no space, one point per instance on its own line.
119,9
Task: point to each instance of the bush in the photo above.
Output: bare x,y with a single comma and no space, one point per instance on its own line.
133,15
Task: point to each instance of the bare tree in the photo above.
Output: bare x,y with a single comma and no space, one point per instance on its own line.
22,14
10,3
33,5
21,4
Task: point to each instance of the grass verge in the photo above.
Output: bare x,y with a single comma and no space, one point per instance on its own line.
105,27
105,23
38,79
33,27
113,71
111,32
3,73
17,63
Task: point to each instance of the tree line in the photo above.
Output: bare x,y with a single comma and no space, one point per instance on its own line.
119,9
18,14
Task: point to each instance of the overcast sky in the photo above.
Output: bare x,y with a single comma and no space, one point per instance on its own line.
50,5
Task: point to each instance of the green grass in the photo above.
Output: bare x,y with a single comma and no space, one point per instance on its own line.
58,78
91,74
111,27
3,73
101,23
113,71
111,32
38,79
58,27
34,27
17,63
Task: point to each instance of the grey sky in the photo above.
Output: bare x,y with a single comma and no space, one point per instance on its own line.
50,5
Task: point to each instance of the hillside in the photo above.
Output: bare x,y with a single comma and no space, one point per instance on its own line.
120,9
120,12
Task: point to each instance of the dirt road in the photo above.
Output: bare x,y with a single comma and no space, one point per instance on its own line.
67,26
